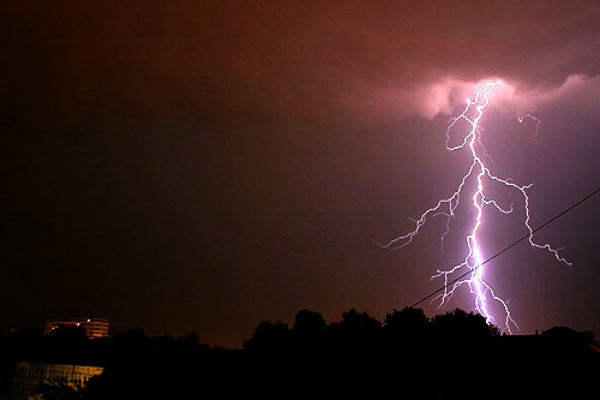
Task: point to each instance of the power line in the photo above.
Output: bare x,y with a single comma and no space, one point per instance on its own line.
510,246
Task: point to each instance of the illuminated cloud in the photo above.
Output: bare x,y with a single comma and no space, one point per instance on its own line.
447,95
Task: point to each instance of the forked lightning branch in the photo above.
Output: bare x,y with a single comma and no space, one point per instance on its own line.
464,134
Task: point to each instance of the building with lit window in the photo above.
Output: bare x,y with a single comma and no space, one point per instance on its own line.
94,327
29,376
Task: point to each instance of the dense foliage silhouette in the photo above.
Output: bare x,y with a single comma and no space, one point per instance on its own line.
408,355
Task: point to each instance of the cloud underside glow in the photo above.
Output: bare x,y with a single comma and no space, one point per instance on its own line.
447,95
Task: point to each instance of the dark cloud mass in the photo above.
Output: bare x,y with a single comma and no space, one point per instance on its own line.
208,165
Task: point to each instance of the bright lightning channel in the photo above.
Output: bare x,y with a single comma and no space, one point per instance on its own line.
481,177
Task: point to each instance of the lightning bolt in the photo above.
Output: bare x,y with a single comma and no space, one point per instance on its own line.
481,177
523,117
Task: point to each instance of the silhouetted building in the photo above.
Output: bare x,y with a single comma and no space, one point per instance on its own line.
30,376
94,327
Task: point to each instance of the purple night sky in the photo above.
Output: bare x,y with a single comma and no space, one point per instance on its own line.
205,166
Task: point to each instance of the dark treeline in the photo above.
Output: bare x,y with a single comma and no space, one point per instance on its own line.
456,355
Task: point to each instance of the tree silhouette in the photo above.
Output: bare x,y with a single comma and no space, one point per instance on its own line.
461,327
407,323
269,338
456,355
309,332
354,340
309,323
355,323
66,344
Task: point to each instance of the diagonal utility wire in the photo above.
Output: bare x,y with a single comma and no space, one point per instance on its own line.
510,246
